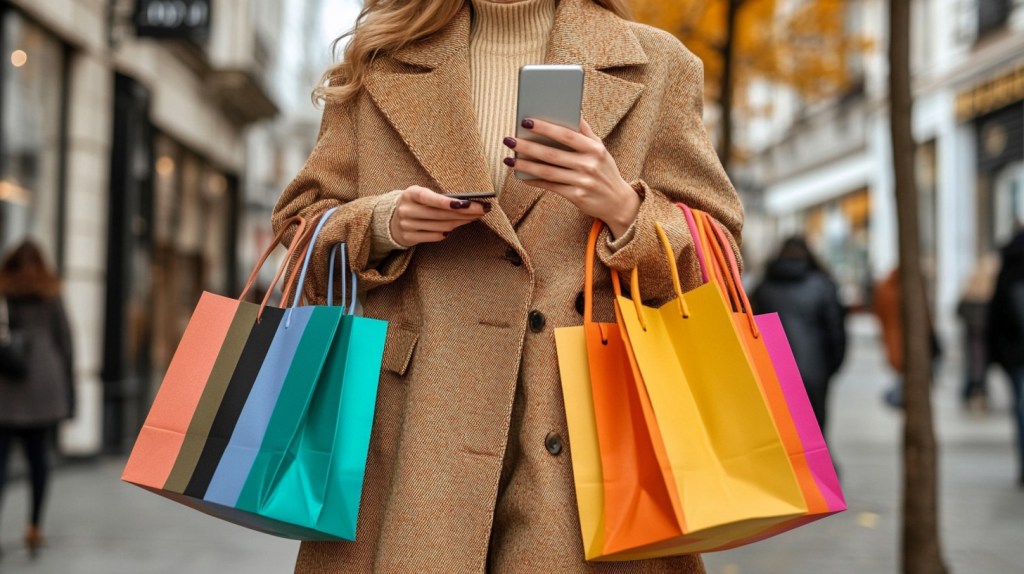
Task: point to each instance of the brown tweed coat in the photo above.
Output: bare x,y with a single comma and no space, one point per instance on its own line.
460,476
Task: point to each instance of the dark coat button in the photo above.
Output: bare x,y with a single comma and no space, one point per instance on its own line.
537,321
580,303
513,257
553,442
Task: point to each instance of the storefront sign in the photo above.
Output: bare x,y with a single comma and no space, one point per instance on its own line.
991,95
172,18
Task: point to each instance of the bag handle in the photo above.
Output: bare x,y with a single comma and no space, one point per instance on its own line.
300,259
588,279
700,239
723,251
305,260
634,280
300,230
718,263
696,239
340,248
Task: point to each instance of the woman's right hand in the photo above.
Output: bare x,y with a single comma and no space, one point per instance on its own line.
424,216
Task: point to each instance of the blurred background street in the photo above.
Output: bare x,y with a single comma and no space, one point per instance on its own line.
143,144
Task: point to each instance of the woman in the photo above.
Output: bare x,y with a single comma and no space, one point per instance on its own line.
799,289
469,467
31,405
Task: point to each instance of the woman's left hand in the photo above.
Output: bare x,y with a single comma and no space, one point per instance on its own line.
587,176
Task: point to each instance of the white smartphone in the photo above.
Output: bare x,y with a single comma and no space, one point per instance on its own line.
549,92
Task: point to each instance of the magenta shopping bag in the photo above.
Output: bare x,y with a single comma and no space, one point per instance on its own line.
815,450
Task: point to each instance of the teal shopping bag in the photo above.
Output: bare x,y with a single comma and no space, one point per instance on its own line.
323,483
310,467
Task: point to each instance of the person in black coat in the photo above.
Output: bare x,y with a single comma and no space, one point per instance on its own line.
36,392
1006,331
807,301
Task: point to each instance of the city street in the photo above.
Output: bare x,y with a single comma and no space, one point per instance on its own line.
98,525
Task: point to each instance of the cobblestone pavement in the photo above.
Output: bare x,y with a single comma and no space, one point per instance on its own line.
97,525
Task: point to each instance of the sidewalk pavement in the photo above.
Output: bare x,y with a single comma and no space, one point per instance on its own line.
981,508
98,525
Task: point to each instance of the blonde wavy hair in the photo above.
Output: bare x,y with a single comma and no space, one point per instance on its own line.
384,26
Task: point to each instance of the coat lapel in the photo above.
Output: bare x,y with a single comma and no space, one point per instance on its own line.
424,91
589,35
428,101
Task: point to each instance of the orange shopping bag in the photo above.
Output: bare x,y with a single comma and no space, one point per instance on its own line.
617,466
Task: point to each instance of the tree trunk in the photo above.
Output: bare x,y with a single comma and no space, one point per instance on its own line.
921,553
725,93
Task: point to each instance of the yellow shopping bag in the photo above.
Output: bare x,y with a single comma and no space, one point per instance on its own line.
722,455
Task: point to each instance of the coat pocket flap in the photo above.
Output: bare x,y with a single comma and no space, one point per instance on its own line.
398,349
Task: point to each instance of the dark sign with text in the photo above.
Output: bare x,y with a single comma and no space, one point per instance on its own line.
173,18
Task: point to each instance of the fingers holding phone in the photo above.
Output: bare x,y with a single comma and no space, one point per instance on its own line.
586,175
425,216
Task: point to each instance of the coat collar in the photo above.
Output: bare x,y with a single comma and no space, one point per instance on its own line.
444,137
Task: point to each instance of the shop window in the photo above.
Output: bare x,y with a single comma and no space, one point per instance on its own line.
32,76
193,239
839,232
992,15
1000,168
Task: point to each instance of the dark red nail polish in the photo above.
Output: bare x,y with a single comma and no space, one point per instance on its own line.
509,142
458,204
510,161
528,123
446,234
487,207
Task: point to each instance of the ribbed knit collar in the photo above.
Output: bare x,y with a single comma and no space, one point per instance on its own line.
514,28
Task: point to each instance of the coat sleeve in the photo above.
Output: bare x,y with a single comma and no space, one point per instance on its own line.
330,179
682,166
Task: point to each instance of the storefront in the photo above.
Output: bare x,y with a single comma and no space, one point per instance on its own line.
173,222
33,120
995,110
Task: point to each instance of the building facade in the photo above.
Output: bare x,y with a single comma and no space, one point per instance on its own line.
126,129
826,168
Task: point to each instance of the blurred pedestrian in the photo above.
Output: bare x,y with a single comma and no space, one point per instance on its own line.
888,308
973,312
800,290
34,400
1006,331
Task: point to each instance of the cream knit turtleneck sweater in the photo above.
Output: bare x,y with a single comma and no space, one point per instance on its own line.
503,38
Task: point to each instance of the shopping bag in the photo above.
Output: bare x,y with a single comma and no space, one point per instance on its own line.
723,455
619,486
209,350
318,481
308,469
765,340
286,425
